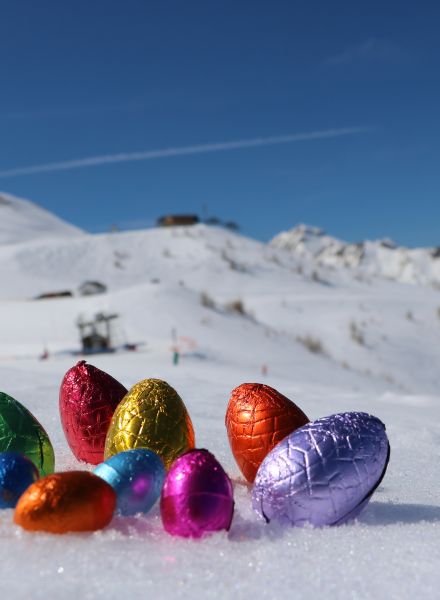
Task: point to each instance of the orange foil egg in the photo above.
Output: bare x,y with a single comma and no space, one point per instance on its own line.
63,502
257,418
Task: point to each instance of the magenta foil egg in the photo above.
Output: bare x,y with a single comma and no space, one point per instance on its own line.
197,496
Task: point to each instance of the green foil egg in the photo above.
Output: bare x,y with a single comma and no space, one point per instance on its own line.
152,415
21,432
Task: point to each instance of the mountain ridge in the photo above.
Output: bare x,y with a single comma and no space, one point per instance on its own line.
370,258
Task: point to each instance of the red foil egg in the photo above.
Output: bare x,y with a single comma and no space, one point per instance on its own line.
88,399
63,502
258,417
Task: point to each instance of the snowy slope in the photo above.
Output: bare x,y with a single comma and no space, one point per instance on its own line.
332,339
159,280
21,221
370,258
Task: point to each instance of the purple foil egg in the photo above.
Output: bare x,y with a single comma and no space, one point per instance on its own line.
197,496
323,473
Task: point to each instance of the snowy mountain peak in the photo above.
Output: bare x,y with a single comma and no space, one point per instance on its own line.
381,258
22,221
312,243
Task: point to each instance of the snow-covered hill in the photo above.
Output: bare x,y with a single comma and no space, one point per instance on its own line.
381,258
332,339
21,221
210,284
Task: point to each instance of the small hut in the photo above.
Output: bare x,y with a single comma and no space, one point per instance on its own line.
177,220
54,295
90,288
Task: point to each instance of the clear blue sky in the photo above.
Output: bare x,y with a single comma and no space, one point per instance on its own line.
91,78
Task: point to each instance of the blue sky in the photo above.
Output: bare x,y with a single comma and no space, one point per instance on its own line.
84,79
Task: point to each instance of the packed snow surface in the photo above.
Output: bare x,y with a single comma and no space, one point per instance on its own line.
332,339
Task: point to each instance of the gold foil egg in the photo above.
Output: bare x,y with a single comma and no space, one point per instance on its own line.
152,415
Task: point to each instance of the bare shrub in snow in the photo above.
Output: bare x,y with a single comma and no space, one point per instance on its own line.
233,264
356,333
275,259
236,306
312,344
316,277
388,378
207,301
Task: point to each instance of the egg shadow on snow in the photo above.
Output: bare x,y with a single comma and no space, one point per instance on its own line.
243,530
375,514
138,525
388,513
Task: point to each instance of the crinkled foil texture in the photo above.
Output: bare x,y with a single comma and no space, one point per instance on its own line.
21,432
63,502
17,473
197,496
258,417
323,473
136,476
152,415
88,399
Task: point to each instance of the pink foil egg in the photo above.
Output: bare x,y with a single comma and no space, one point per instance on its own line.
197,496
88,399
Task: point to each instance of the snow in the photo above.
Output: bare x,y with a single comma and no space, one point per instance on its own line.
381,258
387,365
21,220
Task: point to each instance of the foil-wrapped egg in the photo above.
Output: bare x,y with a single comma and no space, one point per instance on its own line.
323,473
197,496
21,432
88,399
63,502
257,418
137,478
17,473
152,415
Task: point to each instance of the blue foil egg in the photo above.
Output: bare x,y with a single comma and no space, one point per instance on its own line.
17,473
136,476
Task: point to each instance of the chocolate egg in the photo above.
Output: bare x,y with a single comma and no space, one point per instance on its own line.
257,418
88,399
21,432
63,502
323,473
152,415
136,476
17,473
197,496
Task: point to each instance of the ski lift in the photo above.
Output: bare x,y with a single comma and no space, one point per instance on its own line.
96,334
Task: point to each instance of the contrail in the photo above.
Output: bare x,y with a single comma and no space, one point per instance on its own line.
93,161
